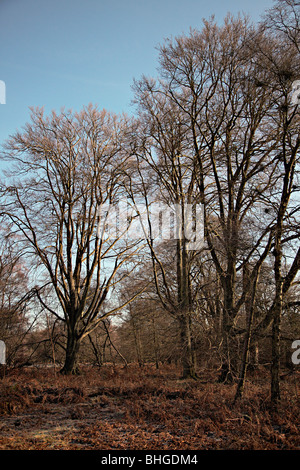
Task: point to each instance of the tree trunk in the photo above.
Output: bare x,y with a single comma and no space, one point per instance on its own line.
275,367
184,305
71,360
249,311
156,344
188,365
228,368
277,312
137,341
227,373
254,356
249,308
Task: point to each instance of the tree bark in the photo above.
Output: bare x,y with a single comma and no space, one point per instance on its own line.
277,313
71,366
249,310
188,366
228,368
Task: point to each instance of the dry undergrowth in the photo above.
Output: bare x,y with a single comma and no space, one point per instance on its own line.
137,409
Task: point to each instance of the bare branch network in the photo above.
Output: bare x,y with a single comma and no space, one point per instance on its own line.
182,220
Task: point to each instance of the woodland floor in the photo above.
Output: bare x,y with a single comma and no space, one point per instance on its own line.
144,409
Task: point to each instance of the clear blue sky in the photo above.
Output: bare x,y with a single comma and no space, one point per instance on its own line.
56,53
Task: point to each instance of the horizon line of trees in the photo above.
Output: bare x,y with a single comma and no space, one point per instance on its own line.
219,128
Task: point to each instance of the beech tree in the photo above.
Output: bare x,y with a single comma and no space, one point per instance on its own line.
164,183
282,60
219,105
66,166
211,78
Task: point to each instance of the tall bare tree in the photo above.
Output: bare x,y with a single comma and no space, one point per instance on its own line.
64,167
212,77
225,89
165,184
282,21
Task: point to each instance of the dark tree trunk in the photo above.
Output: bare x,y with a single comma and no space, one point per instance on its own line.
188,365
277,312
249,310
228,367
275,368
71,360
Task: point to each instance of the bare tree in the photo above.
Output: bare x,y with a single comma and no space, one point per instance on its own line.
212,77
283,22
283,19
224,90
68,165
14,322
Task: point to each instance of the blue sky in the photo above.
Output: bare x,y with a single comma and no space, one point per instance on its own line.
72,52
